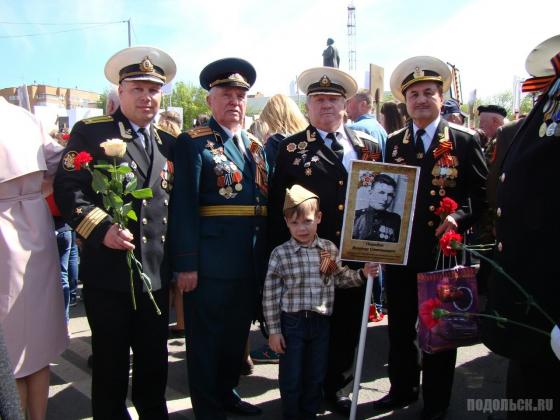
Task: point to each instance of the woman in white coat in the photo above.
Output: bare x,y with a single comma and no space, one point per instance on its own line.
31,301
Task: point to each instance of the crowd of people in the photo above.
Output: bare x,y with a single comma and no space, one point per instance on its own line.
232,226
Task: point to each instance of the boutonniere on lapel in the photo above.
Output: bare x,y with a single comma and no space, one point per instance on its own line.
370,155
126,133
261,178
445,169
228,175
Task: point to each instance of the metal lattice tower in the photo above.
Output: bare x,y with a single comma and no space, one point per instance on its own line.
351,26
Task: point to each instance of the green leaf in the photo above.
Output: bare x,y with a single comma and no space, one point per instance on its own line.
116,201
99,182
123,169
142,193
102,166
131,186
106,203
131,214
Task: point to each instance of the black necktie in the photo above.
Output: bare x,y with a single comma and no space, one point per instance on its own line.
147,141
420,144
238,143
336,147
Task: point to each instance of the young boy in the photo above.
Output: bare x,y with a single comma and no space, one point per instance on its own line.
298,299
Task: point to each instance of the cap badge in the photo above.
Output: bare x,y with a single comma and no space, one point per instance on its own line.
146,65
325,81
418,73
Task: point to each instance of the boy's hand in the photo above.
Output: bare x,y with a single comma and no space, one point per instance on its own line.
371,269
276,343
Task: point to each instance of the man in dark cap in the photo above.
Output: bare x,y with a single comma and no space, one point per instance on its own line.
452,165
330,55
319,159
218,231
452,112
491,117
116,327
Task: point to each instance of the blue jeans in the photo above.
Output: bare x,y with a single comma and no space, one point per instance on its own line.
68,253
304,363
73,262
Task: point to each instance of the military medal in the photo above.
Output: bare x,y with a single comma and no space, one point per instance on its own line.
551,129
308,171
302,145
296,161
542,130
261,176
291,147
315,158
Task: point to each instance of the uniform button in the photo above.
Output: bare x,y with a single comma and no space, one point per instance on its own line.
338,233
433,192
144,221
503,177
165,202
164,220
341,207
144,239
499,212
162,238
144,203
258,199
432,208
341,182
431,223
500,246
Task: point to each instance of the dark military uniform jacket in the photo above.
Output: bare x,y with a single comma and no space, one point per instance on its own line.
211,173
83,209
304,159
527,232
376,225
459,174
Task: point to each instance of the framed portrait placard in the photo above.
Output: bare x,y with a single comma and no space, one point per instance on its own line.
380,200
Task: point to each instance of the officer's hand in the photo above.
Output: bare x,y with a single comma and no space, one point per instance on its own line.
187,281
276,343
117,238
447,224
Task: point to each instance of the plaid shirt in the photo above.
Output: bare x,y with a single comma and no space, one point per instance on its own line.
294,283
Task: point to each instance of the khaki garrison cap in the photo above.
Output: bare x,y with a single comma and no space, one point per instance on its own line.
297,195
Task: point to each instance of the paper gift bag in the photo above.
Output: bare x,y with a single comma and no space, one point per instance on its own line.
454,290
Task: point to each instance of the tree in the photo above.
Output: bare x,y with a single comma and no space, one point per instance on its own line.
193,101
102,101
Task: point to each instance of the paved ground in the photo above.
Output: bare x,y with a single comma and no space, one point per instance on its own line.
479,374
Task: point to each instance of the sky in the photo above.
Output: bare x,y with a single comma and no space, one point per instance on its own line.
487,40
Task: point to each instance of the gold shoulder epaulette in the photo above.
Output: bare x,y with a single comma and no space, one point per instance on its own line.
199,132
462,128
395,133
253,138
99,119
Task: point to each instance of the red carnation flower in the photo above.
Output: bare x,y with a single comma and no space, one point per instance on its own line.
446,242
425,312
66,136
82,159
446,207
